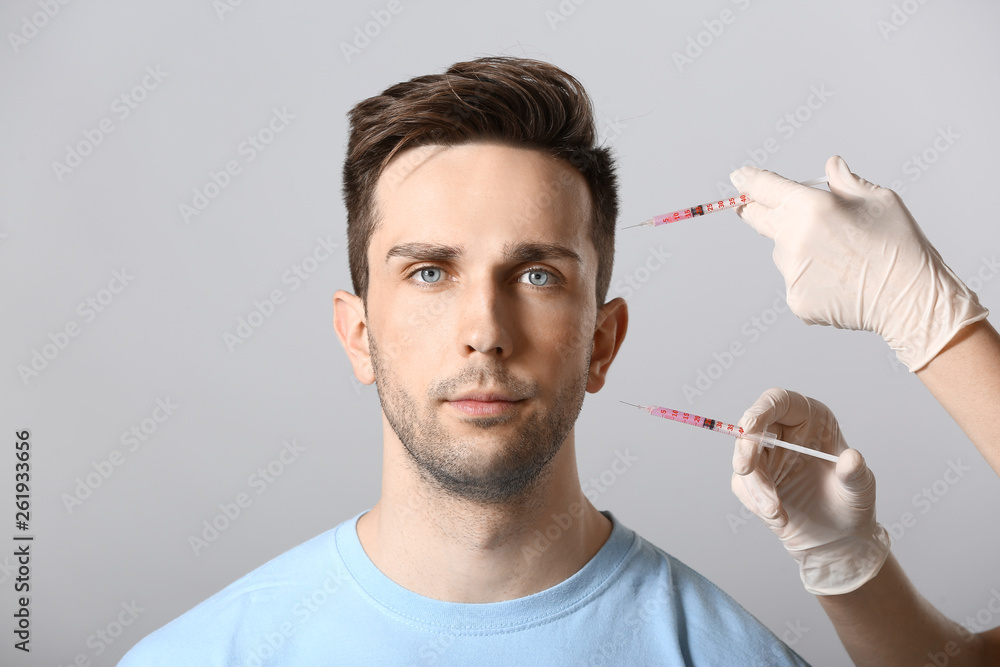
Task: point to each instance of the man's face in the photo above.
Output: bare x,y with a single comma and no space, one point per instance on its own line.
481,281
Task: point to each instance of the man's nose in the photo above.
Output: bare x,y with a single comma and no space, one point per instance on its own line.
484,320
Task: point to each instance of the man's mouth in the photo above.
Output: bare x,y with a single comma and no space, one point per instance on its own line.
484,403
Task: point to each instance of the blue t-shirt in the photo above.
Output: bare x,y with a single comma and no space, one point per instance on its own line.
325,603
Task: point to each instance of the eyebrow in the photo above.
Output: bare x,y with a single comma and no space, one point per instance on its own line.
431,252
518,253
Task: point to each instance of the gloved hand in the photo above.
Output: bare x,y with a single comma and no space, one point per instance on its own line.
823,513
854,258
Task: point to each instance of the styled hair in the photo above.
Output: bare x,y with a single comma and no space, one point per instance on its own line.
512,101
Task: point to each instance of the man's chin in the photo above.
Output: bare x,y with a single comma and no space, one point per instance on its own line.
491,487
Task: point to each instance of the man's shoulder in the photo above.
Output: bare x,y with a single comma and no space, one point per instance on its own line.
646,559
692,585
706,619
253,603
647,566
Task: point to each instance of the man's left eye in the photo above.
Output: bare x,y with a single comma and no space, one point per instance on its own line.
537,277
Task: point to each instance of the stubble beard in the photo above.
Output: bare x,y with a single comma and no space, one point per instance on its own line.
457,466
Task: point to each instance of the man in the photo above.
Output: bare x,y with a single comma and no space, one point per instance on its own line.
481,237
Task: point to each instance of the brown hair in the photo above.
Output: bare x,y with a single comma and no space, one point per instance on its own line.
513,101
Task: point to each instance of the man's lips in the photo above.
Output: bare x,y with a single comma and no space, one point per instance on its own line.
485,396
483,404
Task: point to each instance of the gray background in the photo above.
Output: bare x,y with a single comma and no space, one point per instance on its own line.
678,131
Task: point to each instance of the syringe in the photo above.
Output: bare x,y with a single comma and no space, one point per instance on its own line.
766,439
710,207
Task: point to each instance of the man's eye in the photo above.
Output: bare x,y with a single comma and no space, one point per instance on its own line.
537,277
429,274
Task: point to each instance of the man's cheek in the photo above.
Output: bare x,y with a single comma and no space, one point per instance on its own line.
429,313
403,347
573,346
390,353
413,329
417,342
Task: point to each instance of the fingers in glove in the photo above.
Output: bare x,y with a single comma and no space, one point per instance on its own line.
857,481
758,213
764,187
757,493
771,407
768,191
756,419
745,455
786,409
760,217
846,184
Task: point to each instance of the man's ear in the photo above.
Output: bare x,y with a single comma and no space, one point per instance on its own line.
612,323
351,325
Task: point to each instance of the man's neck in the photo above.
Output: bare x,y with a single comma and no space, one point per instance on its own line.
449,549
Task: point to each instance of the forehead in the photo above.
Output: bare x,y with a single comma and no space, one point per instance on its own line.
477,193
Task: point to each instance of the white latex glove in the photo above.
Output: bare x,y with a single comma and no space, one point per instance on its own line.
854,258
823,513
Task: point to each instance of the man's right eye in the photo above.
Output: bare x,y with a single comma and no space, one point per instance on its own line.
428,274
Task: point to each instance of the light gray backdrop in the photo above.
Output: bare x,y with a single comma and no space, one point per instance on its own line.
140,224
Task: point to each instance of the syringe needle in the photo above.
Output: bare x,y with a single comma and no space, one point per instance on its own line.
765,439
711,207
632,404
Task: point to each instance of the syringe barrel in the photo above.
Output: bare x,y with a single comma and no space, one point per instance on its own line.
701,209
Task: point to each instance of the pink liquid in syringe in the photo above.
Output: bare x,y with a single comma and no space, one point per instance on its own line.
696,420
703,209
